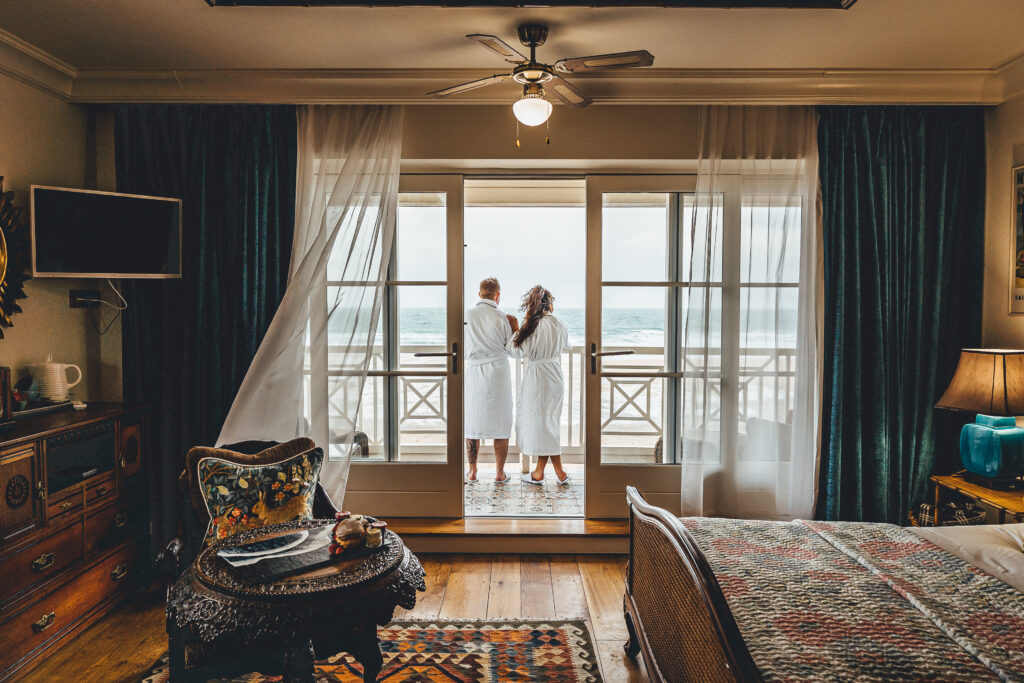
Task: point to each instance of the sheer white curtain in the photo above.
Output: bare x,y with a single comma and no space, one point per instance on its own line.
750,312
308,375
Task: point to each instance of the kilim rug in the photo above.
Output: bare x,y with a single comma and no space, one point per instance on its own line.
462,652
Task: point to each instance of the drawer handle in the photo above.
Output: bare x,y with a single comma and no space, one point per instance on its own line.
101,490
124,463
40,490
66,505
120,520
119,572
45,622
44,562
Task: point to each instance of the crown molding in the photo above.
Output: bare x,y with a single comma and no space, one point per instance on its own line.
38,68
30,65
647,86
1011,73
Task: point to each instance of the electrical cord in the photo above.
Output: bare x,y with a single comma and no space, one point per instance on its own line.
119,308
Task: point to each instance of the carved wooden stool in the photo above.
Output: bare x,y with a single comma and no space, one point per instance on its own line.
227,626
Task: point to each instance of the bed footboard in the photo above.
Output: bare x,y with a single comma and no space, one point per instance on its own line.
675,612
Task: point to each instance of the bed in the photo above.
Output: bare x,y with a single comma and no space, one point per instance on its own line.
744,600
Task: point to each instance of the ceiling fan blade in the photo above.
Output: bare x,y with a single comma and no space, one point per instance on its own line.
612,60
471,85
499,47
567,93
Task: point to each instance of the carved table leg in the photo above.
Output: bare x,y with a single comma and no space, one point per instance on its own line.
369,655
176,655
299,663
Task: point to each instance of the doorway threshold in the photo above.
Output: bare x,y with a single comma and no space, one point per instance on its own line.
523,535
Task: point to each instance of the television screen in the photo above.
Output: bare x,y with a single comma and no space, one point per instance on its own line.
80,233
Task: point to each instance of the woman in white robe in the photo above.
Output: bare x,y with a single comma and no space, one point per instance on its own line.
540,340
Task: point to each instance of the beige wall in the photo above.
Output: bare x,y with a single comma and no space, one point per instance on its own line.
1004,133
46,141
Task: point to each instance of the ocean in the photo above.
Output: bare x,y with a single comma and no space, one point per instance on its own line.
622,327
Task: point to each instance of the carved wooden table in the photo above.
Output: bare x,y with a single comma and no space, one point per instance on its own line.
215,617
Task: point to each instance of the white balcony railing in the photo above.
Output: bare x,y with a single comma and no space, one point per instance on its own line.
632,414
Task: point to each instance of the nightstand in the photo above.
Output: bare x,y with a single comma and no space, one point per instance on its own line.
1010,504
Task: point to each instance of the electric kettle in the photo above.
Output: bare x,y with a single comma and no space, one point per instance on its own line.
52,378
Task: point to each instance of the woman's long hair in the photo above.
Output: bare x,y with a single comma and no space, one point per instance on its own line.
536,303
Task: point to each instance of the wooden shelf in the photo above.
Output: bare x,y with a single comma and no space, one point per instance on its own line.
1007,503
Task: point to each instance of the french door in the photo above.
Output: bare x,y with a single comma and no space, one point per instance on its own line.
635,379
411,412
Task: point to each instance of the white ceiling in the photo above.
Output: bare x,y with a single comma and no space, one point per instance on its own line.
188,34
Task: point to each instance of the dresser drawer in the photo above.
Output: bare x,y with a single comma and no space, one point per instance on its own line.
58,510
40,561
98,491
32,627
113,523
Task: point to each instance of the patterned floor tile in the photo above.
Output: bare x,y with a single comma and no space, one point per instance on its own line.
516,498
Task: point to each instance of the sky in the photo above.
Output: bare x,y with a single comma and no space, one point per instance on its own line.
524,246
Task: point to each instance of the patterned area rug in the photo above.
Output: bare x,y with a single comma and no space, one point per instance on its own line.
463,652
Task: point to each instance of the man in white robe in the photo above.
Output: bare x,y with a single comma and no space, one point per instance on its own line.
488,379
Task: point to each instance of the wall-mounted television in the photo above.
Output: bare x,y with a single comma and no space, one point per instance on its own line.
85,233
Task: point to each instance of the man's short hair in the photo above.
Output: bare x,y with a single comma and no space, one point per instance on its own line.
489,288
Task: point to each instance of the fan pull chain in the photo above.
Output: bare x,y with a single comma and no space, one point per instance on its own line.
547,139
517,134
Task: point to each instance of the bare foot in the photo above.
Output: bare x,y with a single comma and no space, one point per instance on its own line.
500,477
471,475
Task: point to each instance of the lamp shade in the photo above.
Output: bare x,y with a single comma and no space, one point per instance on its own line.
532,109
987,381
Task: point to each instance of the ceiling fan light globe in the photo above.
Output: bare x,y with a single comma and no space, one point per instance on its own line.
532,110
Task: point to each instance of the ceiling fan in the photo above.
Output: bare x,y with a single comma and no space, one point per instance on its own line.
533,108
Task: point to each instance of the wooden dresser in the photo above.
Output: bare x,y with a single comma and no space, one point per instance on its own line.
74,527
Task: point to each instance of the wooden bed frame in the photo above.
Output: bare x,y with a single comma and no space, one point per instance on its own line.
675,611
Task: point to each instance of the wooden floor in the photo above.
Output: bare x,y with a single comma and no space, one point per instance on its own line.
124,644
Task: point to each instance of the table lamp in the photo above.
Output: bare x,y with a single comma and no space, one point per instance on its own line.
990,382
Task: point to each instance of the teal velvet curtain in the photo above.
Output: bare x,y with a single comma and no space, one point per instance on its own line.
187,343
903,192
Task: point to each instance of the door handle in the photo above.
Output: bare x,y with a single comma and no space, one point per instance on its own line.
454,355
595,354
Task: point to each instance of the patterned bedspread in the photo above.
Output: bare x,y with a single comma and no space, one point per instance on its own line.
846,601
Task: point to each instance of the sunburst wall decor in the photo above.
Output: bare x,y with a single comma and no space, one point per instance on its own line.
14,258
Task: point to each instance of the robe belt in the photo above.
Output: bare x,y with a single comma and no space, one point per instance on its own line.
543,362
474,362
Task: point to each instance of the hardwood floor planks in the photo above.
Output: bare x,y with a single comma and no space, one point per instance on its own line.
537,592
123,645
428,604
468,586
504,598
604,587
567,585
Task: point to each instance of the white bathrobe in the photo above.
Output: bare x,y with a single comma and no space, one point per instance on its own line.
539,409
488,377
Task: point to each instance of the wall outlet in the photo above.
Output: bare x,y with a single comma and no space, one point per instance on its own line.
79,298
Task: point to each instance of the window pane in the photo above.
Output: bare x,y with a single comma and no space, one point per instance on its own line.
358,239
349,316
422,418
770,249
421,236
701,316
422,325
768,317
635,237
632,420
633,318
701,239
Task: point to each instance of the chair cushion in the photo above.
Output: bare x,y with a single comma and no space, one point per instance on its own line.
241,491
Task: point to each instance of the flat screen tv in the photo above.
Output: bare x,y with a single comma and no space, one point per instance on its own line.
84,233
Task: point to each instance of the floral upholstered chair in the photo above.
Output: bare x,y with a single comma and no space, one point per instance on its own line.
242,486
234,488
